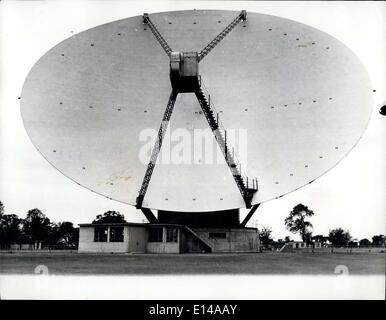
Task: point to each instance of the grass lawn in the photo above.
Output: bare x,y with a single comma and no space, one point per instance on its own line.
251,263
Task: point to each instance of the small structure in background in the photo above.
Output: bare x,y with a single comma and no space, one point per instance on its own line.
300,245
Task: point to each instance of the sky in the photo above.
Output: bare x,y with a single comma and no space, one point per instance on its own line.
352,195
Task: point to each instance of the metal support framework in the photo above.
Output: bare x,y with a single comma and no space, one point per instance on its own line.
246,192
184,77
249,215
156,148
241,17
149,215
158,36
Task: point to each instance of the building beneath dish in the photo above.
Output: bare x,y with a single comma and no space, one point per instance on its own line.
185,232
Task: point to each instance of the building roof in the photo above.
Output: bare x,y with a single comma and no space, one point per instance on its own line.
135,224
113,224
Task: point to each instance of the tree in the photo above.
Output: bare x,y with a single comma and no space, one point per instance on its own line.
1,208
287,239
37,226
365,242
110,217
10,231
353,243
308,237
265,236
379,240
53,236
66,233
75,237
296,221
339,237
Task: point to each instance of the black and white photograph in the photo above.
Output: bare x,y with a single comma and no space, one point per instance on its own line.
192,150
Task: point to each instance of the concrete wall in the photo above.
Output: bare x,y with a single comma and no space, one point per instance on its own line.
189,244
164,247
136,241
237,240
87,244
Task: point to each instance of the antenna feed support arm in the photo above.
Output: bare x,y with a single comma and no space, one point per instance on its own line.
146,20
241,17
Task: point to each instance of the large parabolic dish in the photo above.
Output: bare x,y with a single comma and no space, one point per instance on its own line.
302,98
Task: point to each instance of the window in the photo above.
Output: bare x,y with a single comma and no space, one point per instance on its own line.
155,234
171,235
116,234
100,234
217,235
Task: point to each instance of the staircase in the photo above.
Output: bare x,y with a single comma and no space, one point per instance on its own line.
212,116
204,243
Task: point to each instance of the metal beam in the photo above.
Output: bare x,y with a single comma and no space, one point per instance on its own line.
156,149
149,215
241,17
157,34
249,215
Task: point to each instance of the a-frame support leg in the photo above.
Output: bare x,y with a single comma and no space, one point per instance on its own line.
249,215
156,149
149,215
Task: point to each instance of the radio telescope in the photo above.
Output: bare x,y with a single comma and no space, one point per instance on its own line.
302,97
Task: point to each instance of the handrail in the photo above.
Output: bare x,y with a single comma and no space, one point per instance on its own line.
222,129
